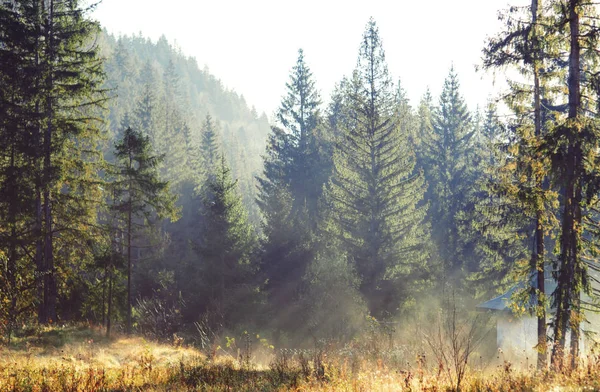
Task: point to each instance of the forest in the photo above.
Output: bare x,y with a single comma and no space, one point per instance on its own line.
141,198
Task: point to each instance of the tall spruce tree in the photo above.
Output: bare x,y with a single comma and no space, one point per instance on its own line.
375,189
53,43
290,188
446,151
565,146
299,117
500,223
17,173
139,195
225,247
209,145
572,147
521,45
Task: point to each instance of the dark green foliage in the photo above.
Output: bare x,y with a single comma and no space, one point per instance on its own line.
375,188
448,157
499,223
225,248
51,84
209,146
139,196
294,172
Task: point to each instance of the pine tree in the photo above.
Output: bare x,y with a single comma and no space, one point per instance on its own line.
140,196
17,173
147,108
170,140
299,118
424,132
446,150
572,147
209,145
225,246
59,112
290,189
375,189
500,221
561,140
521,45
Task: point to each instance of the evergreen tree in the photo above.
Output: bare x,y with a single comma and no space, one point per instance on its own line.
225,247
170,140
299,118
209,145
140,195
60,94
424,132
375,190
572,148
520,45
290,188
17,173
147,108
500,221
446,150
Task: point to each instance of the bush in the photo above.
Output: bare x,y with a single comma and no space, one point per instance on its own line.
158,318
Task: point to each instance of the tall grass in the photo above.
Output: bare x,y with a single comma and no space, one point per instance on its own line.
78,360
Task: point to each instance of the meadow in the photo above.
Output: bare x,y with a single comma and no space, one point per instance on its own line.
80,359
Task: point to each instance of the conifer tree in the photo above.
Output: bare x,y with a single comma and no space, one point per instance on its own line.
17,173
140,196
58,109
499,220
572,148
445,149
564,142
209,145
522,45
147,108
299,118
290,188
424,132
225,247
375,189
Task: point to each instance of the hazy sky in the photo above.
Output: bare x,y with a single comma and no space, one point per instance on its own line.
252,45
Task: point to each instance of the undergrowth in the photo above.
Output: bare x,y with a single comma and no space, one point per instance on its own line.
76,359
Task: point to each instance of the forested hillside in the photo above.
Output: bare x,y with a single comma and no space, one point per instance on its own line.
139,194
155,85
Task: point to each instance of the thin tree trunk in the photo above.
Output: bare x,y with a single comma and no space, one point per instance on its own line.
541,286
11,267
110,297
104,292
539,253
129,228
50,278
37,225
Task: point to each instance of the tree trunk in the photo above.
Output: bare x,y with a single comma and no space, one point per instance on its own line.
110,297
129,236
104,293
539,253
37,224
50,290
541,286
11,267
567,291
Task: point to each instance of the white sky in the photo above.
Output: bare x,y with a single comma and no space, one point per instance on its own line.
251,45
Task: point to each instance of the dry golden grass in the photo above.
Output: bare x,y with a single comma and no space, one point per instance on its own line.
80,360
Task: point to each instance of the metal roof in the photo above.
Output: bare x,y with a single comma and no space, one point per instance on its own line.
502,302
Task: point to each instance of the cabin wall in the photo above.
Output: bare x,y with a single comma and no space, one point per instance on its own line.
516,337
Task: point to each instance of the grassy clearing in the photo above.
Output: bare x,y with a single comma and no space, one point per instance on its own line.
80,360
